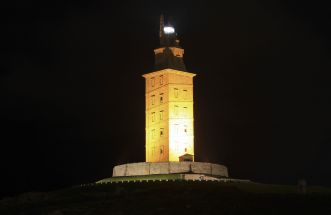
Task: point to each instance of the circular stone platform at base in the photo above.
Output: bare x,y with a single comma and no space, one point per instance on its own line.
156,168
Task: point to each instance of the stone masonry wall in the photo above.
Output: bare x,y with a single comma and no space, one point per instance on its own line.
144,168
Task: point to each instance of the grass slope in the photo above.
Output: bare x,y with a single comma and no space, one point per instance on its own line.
172,197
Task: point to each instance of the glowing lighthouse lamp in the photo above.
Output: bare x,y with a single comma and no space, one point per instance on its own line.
168,30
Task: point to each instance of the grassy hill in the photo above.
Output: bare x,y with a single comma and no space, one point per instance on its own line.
171,197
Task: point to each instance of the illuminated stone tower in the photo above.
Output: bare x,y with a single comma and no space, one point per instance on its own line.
169,103
169,121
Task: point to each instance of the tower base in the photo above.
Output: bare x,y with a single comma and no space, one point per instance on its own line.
161,168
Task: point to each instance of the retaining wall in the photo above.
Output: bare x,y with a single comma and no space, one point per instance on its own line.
153,168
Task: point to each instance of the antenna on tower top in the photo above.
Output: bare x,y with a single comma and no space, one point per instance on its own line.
161,25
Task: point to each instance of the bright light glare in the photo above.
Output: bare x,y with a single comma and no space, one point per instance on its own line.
168,30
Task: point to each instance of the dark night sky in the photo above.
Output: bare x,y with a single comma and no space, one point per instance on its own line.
72,95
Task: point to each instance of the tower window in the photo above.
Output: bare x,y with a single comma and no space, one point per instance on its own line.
153,82
153,99
161,115
153,116
176,92
153,133
161,98
161,132
176,130
176,110
185,129
161,149
185,113
161,79
185,94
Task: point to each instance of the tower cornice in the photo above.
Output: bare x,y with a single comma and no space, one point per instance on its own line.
172,71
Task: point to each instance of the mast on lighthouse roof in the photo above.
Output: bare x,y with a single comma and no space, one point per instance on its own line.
170,54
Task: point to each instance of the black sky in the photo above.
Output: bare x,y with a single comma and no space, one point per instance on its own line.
72,95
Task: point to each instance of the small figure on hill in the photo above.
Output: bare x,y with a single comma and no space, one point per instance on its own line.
302,186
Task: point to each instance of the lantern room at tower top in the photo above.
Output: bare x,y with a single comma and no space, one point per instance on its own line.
169,103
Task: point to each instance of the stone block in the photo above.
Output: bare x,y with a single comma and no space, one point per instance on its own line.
202,168
159,168
137,169
119,170
179,167
217,169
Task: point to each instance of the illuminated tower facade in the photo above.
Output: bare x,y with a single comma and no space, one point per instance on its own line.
169,103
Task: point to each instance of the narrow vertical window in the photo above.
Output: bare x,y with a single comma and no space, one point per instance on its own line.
185,129
161,132
161,79
153,133
153,116
161,149
161,115
176,130
185,94
153,82
185,113
153,99
176,110
161,98
176,92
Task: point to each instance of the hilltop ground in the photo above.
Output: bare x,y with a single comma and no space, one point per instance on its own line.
171,197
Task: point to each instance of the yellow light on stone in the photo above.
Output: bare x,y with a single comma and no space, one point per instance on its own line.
171,136
169,119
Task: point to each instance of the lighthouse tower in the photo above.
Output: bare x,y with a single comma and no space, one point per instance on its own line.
169,121
169,103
